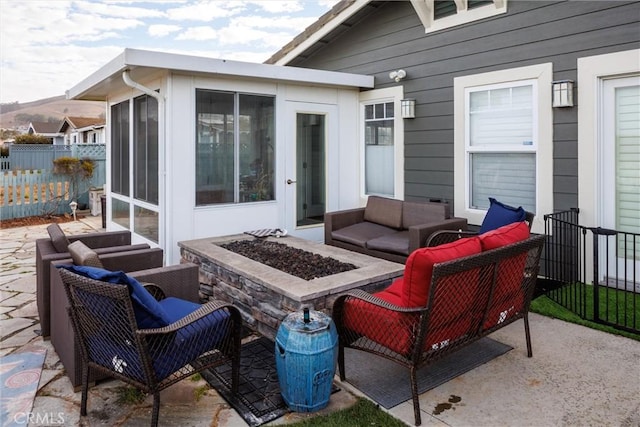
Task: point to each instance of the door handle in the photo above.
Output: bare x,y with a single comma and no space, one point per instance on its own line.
289,181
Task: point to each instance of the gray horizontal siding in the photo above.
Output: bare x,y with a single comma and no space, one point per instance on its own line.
532,32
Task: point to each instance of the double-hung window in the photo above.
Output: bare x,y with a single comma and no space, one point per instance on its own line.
503,140
501,144
234,147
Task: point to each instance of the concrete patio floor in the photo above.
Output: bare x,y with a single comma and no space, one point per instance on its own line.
576,377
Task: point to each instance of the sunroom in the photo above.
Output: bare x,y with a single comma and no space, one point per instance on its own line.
201,147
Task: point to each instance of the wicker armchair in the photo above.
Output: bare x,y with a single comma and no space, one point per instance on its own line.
106,318
56,248
145,265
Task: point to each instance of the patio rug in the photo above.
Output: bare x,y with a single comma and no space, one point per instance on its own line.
19,379
388,383
258,400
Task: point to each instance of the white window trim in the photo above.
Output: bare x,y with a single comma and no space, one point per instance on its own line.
392,94
592,70
543,74
425,8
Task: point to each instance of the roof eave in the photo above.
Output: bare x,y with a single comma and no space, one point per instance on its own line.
134,58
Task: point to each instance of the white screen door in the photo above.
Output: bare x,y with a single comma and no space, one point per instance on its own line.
306,180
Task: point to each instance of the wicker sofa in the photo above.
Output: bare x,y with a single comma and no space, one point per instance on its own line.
180,281
388,228
450,296
56,248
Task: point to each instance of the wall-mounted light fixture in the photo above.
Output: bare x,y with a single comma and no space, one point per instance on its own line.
397,75
562,93
408,108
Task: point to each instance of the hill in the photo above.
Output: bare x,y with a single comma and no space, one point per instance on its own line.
57,107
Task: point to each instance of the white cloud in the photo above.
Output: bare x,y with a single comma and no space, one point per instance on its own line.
48,46
276,6
161,30
198,33
206,10
116,10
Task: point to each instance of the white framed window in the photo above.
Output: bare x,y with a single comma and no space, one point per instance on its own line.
382,158
437,15
503,141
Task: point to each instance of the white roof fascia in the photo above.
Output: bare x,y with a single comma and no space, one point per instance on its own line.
326,29
196,64
112,67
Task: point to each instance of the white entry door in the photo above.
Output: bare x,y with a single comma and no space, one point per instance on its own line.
312,127
620,171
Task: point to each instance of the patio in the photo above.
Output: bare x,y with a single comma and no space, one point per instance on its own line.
577,376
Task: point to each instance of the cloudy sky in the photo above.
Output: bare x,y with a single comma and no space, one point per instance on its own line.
47,46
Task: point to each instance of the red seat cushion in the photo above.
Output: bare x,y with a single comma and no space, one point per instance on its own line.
508,296
419,267
391,329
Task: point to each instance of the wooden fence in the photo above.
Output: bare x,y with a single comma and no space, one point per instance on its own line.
34,192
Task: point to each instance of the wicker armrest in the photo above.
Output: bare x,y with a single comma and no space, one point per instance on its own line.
179,281
339,219
448,236
372,299
103,239
419,234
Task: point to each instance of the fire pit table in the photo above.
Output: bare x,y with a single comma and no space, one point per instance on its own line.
266,295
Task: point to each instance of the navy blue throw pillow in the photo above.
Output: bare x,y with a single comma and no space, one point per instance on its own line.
500,214
149,313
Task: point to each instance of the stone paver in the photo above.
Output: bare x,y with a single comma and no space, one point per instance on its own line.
577,376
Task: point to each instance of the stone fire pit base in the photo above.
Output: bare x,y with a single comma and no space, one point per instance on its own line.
264,295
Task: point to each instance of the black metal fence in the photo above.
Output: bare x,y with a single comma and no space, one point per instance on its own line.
592,271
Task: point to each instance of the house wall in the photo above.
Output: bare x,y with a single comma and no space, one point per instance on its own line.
530,33
185,220
180,218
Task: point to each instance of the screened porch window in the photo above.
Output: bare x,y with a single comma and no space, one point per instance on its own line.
501,145
379,148
120,148
234,147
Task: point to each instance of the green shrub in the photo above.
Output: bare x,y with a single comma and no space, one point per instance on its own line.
32,139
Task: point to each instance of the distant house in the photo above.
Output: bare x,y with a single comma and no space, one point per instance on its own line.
50,130
83,130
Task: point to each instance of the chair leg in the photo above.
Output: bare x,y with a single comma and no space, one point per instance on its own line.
527,333
235,371
85,389
414,393
341,361
156,409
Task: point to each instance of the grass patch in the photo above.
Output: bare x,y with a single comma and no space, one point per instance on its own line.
363,413
130,395
580,298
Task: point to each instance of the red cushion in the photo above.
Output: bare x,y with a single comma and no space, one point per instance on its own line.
391,329
419,266
505,235
508,295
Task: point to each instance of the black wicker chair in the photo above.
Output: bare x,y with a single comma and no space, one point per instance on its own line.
106,322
